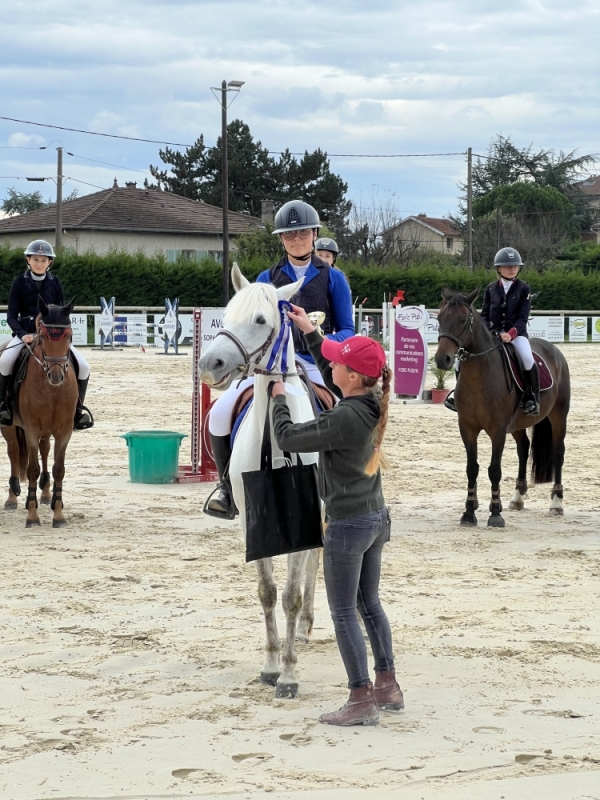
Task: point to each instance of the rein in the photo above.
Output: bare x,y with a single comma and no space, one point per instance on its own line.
462,354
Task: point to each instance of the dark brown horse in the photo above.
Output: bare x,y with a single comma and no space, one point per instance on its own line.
45,407
487,400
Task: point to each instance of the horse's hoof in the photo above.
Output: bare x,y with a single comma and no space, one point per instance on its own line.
10,506
287,690
45,500
30,523
468,519
557,512
302,637
495,521
512,506
59,523
270,678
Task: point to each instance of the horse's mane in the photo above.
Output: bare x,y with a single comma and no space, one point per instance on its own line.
257,298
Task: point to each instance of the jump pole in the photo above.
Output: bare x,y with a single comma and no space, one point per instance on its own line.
203,468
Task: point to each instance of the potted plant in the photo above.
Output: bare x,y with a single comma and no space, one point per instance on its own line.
440,391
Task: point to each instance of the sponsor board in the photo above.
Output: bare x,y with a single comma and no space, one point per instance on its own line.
552,329
578,329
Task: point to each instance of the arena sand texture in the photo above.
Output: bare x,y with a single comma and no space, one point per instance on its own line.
131,641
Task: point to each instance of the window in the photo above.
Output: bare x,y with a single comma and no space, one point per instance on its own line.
448,243
188,255
217,255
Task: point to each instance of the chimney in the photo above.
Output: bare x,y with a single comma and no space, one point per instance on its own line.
421,215
130,185
115,184
266,211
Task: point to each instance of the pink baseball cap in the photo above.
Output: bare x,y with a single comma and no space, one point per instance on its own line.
360,353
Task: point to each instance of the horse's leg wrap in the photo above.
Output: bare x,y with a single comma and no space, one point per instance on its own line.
44,479
56,495
15,485
31,495
496,503
521,485
557,491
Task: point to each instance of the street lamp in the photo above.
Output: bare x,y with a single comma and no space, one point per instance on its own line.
232,86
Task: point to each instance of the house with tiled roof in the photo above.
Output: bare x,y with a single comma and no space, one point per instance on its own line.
590,188
421,231
131,219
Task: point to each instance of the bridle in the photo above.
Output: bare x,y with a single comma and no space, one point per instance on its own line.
462,354
279,348
54,332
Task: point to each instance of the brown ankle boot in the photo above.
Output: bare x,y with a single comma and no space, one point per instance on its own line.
388,694
361,709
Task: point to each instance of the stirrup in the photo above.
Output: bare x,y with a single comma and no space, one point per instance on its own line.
6,415
230,513
83,419
449,402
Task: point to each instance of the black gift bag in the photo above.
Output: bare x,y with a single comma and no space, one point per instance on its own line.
283,510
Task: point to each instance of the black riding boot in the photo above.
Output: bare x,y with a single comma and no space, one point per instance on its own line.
531,401
220,504
83,416
6,414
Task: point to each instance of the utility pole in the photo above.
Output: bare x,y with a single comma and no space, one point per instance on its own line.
231,86
470,208
224,194
59,185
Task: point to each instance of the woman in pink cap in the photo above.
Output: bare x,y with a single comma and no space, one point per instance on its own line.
348,439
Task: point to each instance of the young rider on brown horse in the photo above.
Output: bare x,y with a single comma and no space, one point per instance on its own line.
505,312
36,282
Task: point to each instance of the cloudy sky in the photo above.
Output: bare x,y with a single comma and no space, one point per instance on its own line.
372,78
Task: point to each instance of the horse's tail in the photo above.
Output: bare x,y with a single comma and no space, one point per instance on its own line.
23,457
542,464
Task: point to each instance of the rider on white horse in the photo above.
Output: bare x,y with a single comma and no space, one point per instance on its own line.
37,281
324,289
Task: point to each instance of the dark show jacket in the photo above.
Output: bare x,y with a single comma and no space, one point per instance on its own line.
507,312
23,300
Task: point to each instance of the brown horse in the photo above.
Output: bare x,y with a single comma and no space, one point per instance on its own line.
486,399
45,407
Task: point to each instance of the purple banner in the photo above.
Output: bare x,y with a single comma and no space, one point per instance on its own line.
410,363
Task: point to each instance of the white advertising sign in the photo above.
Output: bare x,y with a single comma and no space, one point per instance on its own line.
79,328
595,329
578,329
431,329
106,322
552,329
187,328
130,329
211,324
5,331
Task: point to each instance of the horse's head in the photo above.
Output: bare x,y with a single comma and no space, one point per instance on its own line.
251,325
53,326
455,320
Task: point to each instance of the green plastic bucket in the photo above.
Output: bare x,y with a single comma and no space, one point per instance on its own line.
153,455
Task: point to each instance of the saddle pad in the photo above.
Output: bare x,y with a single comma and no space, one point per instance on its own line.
546,380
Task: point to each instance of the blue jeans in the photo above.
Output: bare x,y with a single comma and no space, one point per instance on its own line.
352,567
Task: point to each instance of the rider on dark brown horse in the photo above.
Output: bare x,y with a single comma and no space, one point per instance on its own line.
505,311
36,282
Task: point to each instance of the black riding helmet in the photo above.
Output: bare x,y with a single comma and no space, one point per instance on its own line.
40,247
296,216
328,244
508,257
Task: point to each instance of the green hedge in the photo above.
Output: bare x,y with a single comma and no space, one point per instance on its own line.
140,280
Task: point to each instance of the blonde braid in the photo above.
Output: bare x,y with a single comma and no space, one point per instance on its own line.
379,459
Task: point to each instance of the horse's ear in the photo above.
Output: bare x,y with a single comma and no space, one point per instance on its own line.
70,306
446,294
470,298
287,292
42,307
239,282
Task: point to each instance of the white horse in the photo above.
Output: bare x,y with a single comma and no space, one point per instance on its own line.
251,327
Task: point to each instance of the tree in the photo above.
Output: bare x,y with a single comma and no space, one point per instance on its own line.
253,175
22,202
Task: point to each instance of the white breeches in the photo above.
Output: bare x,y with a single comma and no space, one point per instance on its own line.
523,348
14,347
219,422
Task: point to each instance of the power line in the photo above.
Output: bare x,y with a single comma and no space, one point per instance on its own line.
181,144
108,164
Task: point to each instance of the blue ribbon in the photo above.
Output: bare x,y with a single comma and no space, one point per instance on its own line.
283,336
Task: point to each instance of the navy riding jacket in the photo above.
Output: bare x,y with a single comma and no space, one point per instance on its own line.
507,312
23,300
325,288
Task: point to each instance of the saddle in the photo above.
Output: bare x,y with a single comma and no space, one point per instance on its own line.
324,400
546,380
